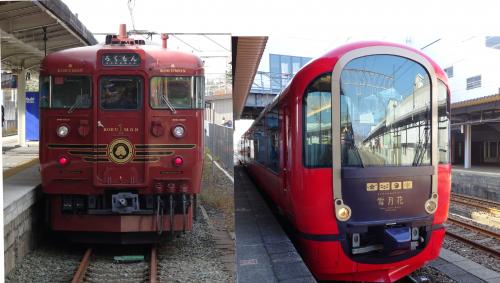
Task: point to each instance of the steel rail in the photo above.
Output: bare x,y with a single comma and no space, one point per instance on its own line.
475,202
467,226
153,269
82,268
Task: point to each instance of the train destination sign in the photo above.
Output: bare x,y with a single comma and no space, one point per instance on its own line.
121,59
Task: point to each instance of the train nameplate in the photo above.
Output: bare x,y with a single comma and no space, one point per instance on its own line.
173,70
387,186
70,70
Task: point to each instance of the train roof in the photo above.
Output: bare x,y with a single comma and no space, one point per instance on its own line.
153,56
326,63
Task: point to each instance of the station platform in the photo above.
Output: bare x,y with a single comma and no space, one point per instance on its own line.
264,252
477,181
21,192
462,269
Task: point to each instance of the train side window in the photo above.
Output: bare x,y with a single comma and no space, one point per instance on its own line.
272,125
317,136
121,93
443,123
66,92
260,142
180,92
199,92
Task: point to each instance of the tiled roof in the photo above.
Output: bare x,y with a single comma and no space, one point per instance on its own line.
476,101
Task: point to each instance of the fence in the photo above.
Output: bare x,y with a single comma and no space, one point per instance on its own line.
219,141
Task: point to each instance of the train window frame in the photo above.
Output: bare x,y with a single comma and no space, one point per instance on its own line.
48,103
425,77
304,121
197,93
139,95
443,89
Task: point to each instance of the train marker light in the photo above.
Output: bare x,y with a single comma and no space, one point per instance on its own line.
178,131
62,131
178,161
63,160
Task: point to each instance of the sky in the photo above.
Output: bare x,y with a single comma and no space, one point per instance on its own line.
303,28
321,20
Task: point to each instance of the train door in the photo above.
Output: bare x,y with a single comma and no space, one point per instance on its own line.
120,128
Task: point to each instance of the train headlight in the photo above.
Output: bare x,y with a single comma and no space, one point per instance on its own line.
343,213
178,131
430,206
62,131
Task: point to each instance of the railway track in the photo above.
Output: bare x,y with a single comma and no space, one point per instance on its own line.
473,235
98,268
488,205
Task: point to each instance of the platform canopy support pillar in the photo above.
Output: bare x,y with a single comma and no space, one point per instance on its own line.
467,147
21,107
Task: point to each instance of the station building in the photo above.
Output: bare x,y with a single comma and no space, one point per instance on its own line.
474,78
269,83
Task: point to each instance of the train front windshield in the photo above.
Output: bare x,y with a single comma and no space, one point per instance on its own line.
178,92
69,92
386,112
385,115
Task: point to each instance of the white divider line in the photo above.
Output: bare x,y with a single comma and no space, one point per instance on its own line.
222,169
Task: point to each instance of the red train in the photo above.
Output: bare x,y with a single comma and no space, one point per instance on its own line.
121,143
355,153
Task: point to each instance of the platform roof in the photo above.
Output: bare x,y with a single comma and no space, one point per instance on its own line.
481,110
22,33
246,54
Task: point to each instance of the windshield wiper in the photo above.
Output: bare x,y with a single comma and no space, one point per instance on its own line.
78,102
164,98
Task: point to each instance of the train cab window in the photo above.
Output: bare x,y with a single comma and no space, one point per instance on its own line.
317,109
65,92
177,92
443,123
121,93
385,112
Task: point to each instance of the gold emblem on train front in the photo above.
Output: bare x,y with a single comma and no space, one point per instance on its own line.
371,187
385,186
407,185
395,185
120,151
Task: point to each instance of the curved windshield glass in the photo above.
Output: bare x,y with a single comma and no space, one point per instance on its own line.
385,112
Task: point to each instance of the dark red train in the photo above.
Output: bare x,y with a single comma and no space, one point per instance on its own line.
121,143
355,153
